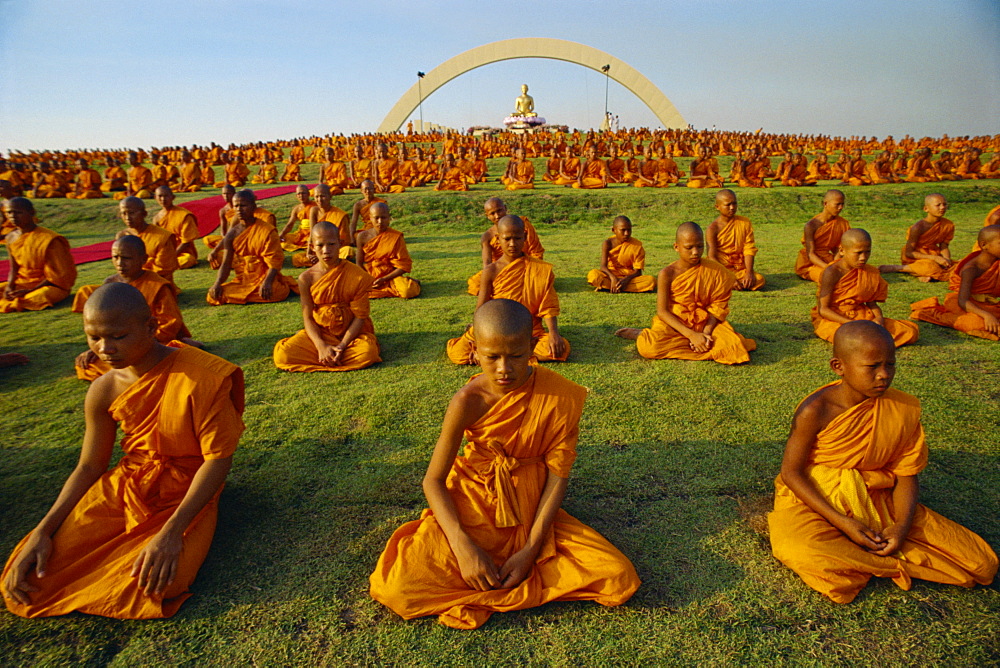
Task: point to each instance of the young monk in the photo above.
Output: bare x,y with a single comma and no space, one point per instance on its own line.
128,255
299,238
494,537
821,238
520,174
450,177
972,304
731,242
495,209
692,304
705,170
850,289
622,261
252,249
926,254
128,542
383,254
360,211
326,211
140,179
524,279
87,184
181,223
845,505
593,172
42,271
338,333
161,245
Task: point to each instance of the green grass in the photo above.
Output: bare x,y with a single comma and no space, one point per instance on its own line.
676,458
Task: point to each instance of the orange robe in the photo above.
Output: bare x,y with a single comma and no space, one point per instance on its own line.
985,291
525,174
385,253
182,224
532,248
854,464
826,241
161,251
452,179
702,290
334,175
929,243
338,217
299,239
570,166
88,185
532,283
255,251
496,485
623,260
705,174
159,294
387,171
855,289
291,172
140,181
114,179
339,296
93,550
41,255
736,241
595,175
191,181
236,174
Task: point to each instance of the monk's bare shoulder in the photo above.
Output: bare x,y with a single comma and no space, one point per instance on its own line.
919,227
309,276
470,403
488,235
365,236
818,409
104,390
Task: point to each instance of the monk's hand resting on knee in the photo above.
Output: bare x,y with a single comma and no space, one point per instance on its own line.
213,260
862,535
266,289
477,568
517,568
216,291
34,553
992,324
557,347
700,342
85,359
156,565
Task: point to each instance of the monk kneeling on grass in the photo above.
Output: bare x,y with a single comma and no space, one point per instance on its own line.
845,503
495,538
127,543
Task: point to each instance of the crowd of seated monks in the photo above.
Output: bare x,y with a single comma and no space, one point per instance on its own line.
395,162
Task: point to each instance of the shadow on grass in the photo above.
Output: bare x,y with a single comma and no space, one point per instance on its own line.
50,362
441,288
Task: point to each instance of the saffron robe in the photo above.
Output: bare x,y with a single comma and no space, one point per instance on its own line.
255,251
985,291
385,253
855,289
161,252
623,260
338,217
299,239
594,175
531,283
826,241
41,255
929,243
532,247
140,181
159,294
524,173
700,291
496,485
854,465
182,224
88,185
736,241
339,296
183,411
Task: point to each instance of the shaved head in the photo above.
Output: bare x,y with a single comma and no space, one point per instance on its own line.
832,193
494,202
988,234
321,189
246,194
933,197
117,302
163,190
133,202
22,202
503,318
858,335
325,226
725,193
689,228
131,242
511,222
375,208
854,236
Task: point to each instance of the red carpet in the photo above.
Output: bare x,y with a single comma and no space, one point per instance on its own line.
205,210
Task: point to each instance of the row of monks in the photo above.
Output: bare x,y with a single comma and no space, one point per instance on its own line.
127,543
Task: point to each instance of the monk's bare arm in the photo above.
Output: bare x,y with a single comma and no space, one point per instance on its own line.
486,284
476,566
11,271
904,503
324,349
912,236
808,421
969,275
664,310
605,250
359,250
827,282
227,262
98,443
518,565
809,238
712,239
355,214
486,248
156,565
292,218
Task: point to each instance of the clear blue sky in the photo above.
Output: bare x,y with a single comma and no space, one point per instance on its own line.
113,73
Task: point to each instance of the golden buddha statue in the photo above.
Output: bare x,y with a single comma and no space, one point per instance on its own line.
524,105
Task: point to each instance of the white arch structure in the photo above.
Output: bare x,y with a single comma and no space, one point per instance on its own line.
534,47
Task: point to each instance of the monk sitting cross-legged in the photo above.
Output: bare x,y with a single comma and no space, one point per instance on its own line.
338,333
972,304
821,238
622,261
524,279
161,245
692,304
87,184
495,209
593,172
926,253
181,223
731,242
494,537
845,503
850,289
251,249
520,173
382,252
297,239
127,543
42,271
128,255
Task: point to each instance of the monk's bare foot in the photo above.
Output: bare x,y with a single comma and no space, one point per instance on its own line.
630,333
924,279
13,359
891,268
